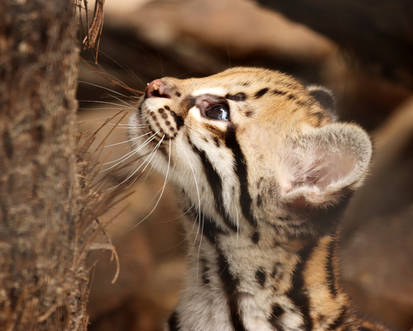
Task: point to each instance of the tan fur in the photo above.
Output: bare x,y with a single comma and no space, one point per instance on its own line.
266,188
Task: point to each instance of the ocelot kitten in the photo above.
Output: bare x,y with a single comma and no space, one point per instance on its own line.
266,172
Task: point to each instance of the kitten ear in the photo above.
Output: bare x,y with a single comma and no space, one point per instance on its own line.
319,165
325,98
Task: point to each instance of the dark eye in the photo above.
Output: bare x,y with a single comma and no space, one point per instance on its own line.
219,111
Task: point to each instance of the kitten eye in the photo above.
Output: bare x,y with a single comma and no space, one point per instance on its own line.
218,111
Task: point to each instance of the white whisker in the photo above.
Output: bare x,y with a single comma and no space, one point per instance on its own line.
120,106
124,102
147,161
128,141
129,154
102,87
163,186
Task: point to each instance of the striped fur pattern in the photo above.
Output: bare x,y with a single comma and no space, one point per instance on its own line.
265,172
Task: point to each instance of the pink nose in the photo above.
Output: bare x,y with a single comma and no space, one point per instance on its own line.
157,88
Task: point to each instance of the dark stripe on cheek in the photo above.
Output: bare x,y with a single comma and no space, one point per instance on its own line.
278,92
204,271
173,322
236,97
240,168
338,321
261,276
178,120
276,312
230,284
297,292
261,92
208,226
255,237
215,183
330,268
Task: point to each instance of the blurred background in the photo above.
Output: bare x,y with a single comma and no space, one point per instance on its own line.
362,51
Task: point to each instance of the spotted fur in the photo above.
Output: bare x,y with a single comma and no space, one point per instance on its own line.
267,172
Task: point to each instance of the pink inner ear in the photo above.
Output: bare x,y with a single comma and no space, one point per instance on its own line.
321,168
320,164
332,168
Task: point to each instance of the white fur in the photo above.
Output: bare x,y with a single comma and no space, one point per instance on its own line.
211,90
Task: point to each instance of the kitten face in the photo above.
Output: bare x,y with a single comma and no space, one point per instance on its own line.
247,143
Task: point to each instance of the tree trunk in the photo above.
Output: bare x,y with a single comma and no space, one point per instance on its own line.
43,281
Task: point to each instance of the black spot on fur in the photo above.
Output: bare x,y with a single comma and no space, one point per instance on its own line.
178,120
261,92
216,141
274,271
291,97
236,97
173,322
330,269
261,276
259,200
178,94
160,110
259,182
249,113
276,312
278,92
255,237
204,271
167,107
245,83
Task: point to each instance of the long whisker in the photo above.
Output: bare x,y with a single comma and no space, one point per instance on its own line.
163,187
129,154
199,200
128,141
178,217
147,162
121,106
132,125
139,79
123,101
102,87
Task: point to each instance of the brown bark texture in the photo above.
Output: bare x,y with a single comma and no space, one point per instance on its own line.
43,282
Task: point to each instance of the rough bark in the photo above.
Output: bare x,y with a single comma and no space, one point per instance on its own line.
43,283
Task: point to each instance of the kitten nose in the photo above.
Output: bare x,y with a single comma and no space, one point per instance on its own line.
157,88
